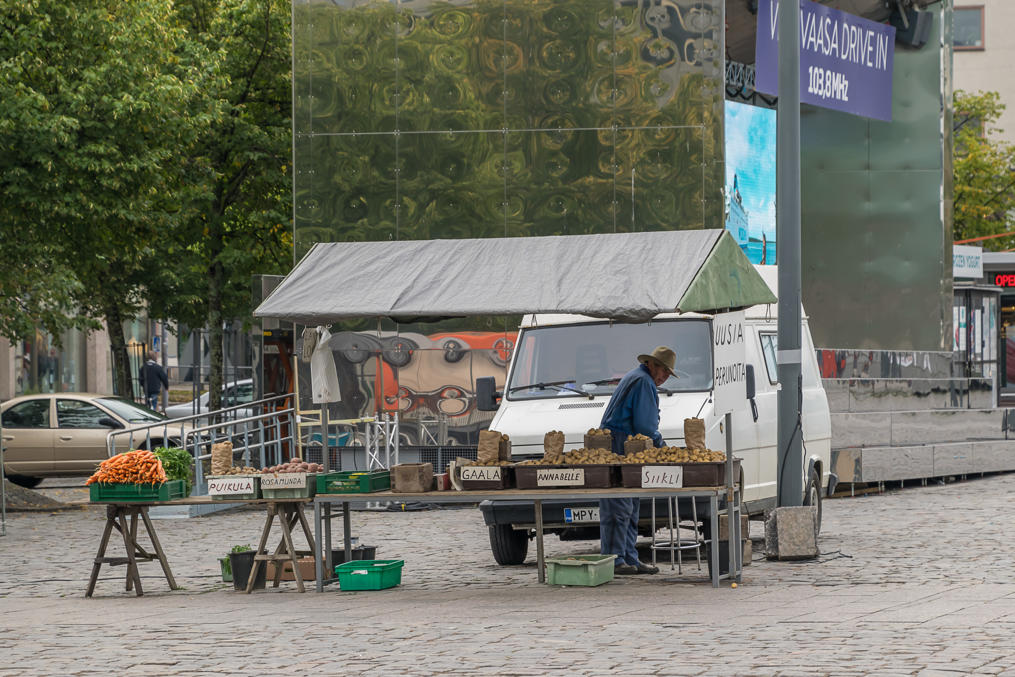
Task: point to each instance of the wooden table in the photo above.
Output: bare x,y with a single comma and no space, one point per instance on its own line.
124,518
323,502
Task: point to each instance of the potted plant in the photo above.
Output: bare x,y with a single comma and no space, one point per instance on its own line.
241,559
227,569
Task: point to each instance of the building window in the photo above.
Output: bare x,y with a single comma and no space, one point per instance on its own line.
968,33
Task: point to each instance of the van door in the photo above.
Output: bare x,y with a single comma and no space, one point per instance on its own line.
766,377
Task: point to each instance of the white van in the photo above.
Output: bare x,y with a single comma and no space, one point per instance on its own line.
563,373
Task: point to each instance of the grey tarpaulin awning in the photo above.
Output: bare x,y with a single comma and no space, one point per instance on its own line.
629,277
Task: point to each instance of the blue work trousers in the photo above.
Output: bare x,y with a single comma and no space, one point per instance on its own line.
618,529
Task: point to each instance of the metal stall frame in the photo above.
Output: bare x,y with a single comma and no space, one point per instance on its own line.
323,517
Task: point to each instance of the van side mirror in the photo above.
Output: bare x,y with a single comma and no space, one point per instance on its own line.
751,391
486,393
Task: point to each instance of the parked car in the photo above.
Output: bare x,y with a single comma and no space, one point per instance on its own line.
65,433
235,393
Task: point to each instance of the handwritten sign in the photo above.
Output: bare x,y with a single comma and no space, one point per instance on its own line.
730,378
662,476
560,477
293,480
478,472
224,486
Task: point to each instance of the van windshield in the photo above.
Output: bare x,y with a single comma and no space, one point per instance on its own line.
591,358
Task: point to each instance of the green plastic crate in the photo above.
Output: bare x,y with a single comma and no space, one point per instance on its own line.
370,574
306,491
354,482
587,570
137,493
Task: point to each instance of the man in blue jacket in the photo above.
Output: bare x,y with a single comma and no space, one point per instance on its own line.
633,410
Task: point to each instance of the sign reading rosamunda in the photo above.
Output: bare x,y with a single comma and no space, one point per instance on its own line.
845,61
730,373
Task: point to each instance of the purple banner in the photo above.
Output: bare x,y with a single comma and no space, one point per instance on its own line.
845,61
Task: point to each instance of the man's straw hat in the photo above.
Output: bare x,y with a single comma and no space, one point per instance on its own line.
662,356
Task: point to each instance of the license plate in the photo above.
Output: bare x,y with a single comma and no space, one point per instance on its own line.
575,515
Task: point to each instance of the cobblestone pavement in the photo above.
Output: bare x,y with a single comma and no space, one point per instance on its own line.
916,581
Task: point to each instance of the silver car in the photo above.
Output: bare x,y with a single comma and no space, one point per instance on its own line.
58,434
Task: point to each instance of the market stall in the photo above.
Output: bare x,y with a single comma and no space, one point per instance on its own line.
626,277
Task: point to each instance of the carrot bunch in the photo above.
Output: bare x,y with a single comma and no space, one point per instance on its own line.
131,467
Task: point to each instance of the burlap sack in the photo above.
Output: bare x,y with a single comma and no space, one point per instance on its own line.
221,457
505,448
598,441
694,433
553,443
633,446
488,450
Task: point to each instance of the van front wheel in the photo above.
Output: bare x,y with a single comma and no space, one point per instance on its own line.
812,496
509,545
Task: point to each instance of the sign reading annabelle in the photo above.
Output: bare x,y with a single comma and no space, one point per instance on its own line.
845,61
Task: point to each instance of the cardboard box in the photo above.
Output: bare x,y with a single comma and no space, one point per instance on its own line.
412,478
306,570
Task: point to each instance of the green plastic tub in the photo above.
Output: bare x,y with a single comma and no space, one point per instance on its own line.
370,574
107,492
586,570
354,482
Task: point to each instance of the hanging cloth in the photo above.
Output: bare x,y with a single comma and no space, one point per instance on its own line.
323,374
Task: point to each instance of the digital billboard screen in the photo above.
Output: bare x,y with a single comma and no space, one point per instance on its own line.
750,180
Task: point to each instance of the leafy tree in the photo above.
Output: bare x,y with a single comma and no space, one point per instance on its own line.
983,170
237,219
97,105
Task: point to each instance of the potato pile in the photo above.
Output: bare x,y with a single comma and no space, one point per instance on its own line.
294,465
245,470
639,438
599,431
675,455
576,457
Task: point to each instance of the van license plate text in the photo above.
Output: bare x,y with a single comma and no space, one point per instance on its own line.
572,515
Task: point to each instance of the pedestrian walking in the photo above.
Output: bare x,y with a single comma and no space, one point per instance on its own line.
153,380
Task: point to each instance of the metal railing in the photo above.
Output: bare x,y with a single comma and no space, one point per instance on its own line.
263,437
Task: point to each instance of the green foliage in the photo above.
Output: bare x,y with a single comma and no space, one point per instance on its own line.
983,170
98,105
178,464
237,220
240,548
145,164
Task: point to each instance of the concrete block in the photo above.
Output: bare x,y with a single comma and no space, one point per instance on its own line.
724,529
994,456
953,459
791,533
748,552
885,464
861,429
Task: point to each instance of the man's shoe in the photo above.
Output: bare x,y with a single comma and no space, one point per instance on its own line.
643,568
625,569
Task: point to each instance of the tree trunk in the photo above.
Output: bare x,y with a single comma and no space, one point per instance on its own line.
122,377
216,281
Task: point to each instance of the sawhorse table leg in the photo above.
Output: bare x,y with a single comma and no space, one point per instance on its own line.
289,513
124,518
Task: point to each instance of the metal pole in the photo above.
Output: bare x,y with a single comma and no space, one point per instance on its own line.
165,365
3,487
790,454
326,461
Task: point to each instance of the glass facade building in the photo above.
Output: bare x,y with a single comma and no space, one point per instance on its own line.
505,118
